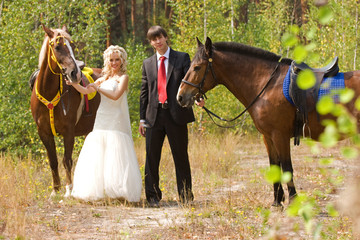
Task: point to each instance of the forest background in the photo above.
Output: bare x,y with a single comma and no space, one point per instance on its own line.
94,25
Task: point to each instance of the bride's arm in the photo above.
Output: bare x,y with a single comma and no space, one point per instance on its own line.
85,90
119,90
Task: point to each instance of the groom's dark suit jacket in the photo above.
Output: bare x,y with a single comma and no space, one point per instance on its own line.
179,63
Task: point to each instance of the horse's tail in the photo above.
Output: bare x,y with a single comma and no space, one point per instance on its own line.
33,78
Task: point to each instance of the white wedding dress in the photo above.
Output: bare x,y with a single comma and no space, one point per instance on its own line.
107,164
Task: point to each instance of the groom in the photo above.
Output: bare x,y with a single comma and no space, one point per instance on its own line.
161,115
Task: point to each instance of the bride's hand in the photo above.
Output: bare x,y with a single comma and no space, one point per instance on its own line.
68,82
92,85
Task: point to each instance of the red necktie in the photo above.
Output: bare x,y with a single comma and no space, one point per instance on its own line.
162,81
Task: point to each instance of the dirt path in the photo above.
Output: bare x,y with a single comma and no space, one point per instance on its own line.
70,219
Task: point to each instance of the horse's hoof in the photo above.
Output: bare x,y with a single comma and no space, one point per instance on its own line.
277,204
68,191
291,198
53,194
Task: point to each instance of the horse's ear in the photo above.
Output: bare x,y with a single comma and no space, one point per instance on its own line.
208,46
64,28
198,42
48,31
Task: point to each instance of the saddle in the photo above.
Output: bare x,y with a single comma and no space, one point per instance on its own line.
86,79
305,100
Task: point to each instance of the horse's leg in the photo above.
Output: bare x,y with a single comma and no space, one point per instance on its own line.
274,160
282,146
68,162
49,143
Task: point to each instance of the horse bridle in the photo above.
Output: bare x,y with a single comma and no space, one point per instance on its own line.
202,93
61,74
51,104
201,84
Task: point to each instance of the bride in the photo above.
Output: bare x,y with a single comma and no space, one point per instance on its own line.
107,164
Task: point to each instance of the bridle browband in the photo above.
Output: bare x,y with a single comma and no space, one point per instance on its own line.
202,93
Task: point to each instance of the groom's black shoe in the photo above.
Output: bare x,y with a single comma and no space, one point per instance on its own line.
153,203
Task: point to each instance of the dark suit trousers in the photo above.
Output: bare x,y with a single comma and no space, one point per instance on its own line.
178,139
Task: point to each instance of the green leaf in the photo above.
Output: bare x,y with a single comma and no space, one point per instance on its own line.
286,177
346,124
338,110
328,140
311,33
331,210
346,95
273,175
307,212
326,161
356,139
357,103
306,79
295,29
325,105
349,152
300,53
329,137
289,40
296,205
325,14
310,47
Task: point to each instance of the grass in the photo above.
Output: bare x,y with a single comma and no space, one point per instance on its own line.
232,198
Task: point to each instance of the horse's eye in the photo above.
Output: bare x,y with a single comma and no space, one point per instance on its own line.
57,48
197,68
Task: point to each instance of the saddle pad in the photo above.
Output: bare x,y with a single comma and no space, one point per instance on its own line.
87,72
330,85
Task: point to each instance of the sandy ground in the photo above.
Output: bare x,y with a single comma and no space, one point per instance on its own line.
71,219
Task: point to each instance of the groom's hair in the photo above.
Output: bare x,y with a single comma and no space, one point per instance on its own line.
154,32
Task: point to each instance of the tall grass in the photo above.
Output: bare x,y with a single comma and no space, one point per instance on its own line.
232,198
16,193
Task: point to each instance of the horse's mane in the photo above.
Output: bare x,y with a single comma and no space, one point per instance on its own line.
240,48
45,44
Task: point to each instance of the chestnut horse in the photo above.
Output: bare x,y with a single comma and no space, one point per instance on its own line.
54,105
247,71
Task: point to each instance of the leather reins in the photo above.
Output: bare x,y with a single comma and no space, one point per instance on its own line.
202,93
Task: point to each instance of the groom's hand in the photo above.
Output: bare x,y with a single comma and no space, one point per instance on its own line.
142,129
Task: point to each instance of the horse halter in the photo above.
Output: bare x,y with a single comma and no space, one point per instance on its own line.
51,104
53,57
201,92
201,84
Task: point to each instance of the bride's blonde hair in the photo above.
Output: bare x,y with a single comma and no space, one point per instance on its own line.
123,56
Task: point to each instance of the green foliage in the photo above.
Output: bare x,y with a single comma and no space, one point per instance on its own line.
267,25
21,37
304,206
274,175
136,54
306,79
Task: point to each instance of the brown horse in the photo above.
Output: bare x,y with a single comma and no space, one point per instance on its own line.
245,71
56,107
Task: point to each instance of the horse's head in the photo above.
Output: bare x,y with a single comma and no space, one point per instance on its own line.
60,54
200,77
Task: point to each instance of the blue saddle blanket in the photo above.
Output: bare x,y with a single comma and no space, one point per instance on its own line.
330,85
